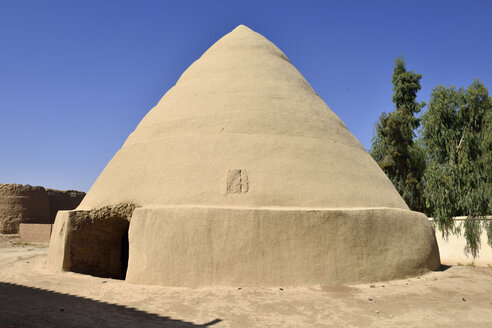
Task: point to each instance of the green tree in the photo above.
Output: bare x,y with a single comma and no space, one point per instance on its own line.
487,160
393,146
457,144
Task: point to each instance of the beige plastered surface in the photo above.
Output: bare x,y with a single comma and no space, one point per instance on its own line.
452,248
242,106
204,246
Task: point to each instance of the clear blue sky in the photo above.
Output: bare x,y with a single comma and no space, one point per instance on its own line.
76,77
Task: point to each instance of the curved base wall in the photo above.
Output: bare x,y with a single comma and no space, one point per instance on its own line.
203,246
206,246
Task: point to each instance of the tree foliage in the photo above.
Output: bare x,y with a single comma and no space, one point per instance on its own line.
456,136
487,160
447,171
393,147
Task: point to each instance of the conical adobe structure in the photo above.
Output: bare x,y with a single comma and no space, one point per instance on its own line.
243,175
243,106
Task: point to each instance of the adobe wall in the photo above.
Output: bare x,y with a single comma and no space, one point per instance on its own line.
35,232
22,204
63,200
453,248
33,204
91,242
205,246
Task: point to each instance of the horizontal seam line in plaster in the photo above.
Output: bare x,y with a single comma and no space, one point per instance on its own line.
191,117
248,134
244,77
272,208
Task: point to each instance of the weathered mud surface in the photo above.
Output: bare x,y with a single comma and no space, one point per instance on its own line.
33,204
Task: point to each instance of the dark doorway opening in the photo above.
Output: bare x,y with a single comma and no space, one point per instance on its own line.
99,245
125,245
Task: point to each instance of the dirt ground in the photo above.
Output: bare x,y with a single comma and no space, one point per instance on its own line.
30,296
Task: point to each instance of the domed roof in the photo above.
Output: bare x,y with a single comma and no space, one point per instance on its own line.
243,128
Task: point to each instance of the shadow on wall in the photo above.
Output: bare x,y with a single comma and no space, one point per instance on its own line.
99,241
22,306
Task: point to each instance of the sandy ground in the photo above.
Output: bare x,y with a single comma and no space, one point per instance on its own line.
30,296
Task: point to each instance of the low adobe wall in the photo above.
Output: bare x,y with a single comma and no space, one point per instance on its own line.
204,246
186,246
35,232
63,200
453,248
29,204
22,204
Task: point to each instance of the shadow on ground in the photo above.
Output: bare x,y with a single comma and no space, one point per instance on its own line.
444,267
22,306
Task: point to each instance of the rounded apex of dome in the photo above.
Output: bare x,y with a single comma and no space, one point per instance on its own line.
242,28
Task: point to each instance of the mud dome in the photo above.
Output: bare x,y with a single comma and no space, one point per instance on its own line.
245,177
